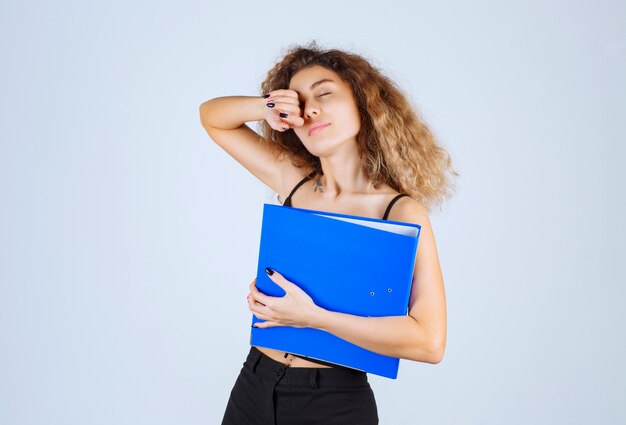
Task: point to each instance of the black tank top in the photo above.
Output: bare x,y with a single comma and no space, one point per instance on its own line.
287,203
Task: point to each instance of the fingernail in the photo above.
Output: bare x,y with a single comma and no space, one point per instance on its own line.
269,105
269,271
265,96
283,115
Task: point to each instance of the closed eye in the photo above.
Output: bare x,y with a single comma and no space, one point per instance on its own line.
324,94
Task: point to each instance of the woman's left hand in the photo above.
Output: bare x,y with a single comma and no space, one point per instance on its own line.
295,308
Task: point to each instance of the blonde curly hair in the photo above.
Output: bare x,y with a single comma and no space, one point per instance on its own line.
394,143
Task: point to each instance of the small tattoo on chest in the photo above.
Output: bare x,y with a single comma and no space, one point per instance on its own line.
318,186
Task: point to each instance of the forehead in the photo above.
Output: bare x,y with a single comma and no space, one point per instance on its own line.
303,79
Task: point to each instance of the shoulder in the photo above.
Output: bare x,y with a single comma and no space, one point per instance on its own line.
408,210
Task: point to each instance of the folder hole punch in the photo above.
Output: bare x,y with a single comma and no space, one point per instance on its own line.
389,290
372,293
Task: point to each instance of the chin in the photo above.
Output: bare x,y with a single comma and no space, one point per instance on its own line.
323,148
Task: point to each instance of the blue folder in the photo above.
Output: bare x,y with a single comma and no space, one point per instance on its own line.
345,263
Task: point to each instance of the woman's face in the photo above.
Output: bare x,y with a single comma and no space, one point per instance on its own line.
330,102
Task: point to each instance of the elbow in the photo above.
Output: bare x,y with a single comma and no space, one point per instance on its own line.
437,351
428,347
431,352
202,115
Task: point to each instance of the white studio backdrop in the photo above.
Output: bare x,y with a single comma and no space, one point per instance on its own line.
128,238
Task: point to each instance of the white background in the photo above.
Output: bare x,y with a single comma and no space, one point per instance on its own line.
128,238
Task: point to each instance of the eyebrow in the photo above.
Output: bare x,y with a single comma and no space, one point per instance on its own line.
317,83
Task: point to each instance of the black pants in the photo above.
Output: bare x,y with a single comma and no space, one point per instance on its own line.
267,392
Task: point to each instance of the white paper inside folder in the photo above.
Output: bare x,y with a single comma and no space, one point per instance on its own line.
388,227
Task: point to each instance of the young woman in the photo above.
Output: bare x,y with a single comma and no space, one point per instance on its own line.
337,136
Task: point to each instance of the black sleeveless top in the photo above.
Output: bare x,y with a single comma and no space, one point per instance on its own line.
287,203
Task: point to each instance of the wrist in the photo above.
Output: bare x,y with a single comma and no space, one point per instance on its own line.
261,102
318,318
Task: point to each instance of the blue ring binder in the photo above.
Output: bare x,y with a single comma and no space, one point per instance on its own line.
367,271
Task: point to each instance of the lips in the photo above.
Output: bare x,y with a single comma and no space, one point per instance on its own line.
317,127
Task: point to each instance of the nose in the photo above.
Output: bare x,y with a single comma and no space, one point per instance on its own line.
311,110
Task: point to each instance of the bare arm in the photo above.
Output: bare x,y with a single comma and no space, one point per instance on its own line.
231,112
224,120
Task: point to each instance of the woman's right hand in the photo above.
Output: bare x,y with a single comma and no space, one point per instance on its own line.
284,101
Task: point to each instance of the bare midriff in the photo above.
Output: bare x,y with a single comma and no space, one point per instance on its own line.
290,360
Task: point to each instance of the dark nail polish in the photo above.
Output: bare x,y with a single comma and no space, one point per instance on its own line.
269,271
265,96
270,105
283,115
